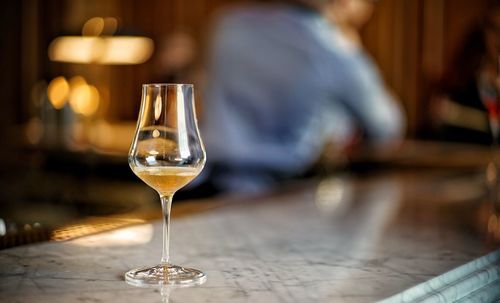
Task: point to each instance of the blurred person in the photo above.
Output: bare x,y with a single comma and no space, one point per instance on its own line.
459,104
286,78
176,58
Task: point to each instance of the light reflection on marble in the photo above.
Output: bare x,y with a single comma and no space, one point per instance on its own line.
129,236
281,248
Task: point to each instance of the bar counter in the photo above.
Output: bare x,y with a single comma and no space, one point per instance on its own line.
336,239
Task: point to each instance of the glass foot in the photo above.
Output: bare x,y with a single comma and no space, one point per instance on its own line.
165,274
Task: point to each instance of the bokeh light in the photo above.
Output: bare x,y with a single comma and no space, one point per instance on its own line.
58,91
110,26
76,49
76,82
126,50
93,27
84,99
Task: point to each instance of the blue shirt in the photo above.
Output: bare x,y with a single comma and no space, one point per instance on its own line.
282,83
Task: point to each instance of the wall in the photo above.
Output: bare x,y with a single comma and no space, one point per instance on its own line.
412,40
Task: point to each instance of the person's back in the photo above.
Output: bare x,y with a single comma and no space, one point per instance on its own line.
281,84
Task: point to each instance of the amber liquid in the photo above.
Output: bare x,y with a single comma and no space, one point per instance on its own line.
166,180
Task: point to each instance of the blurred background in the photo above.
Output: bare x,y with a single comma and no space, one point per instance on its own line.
70,94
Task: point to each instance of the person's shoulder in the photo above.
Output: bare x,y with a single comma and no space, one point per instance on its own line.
327,42
241,13
252,13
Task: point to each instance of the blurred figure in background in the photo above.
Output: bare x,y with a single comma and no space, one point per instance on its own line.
470,84
178,61
286,78
176,58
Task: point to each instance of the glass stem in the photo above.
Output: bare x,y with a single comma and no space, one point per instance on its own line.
166,203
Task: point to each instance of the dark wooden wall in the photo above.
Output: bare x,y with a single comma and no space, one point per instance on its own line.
412,40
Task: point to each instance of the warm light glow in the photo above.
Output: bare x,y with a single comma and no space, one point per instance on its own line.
102,50
93,27
79,96
77,85
84,99
114,137
58,92
98,26
75,82
127,50
92,104
110,26
134,235
76,49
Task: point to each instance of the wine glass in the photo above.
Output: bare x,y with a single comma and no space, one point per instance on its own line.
166,153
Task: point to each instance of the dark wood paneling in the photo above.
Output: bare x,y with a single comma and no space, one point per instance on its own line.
10,59
412,41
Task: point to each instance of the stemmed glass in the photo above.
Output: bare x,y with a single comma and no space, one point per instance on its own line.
166,153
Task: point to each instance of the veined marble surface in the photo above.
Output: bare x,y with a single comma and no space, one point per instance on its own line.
336,241
476,281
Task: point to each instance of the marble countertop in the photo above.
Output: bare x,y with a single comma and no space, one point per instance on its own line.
340,239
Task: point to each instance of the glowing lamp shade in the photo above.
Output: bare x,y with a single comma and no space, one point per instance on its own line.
101,50
75,49
127,50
